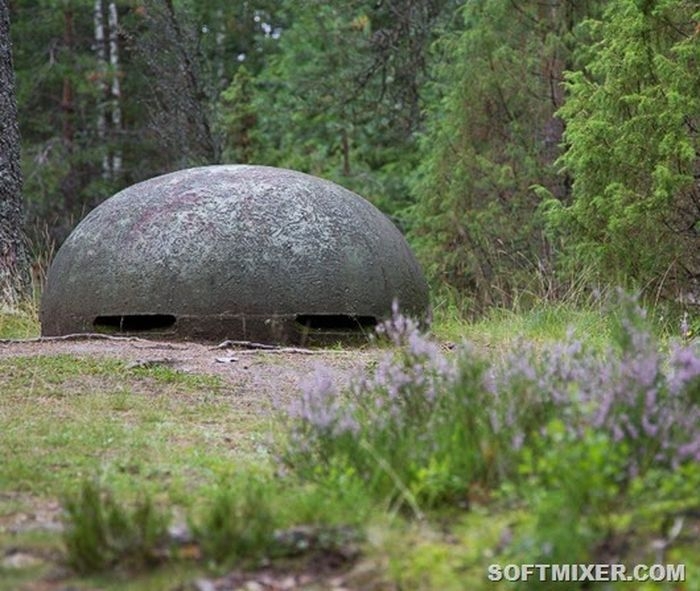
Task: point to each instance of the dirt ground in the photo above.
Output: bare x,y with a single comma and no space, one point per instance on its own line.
258,374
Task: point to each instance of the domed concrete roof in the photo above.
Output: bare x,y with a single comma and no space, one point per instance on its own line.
234,251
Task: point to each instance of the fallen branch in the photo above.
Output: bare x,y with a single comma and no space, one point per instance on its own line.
74,337
162,346
228,344
257,347
149,363
252,347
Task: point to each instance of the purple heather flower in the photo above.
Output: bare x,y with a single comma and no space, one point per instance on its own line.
320,407
690,450
634,395
685,367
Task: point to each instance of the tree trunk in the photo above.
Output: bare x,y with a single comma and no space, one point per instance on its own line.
108,77
14,262
115,90
193,87
101,79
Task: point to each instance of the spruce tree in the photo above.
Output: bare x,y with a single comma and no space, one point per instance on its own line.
492,137
633,134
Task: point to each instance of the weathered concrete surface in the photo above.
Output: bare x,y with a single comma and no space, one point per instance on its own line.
233,251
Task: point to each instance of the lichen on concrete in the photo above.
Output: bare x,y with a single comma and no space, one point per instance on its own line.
231,251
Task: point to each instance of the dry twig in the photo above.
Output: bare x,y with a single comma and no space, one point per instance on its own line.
74,337
253,347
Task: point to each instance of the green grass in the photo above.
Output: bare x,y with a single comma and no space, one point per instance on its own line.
21,324
592,322
64,418
435,556
154,431
500,328
177,440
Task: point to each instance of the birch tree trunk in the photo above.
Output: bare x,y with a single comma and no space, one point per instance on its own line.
14,262
100,56
109,111
115,90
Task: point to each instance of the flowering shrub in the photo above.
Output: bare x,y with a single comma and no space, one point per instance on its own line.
408,430
632,393
426,425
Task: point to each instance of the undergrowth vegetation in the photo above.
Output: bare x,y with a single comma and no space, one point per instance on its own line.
104,533
427,425
20,324
557,451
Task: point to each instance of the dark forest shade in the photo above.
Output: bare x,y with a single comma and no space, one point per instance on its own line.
239,252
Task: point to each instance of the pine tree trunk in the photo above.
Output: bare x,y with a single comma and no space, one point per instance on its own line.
14,262
192,86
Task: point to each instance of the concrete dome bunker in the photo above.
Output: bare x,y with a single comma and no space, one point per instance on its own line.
232,252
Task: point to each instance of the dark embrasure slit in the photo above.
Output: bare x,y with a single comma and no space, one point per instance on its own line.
134,322
336,322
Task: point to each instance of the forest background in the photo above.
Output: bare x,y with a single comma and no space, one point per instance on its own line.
527,148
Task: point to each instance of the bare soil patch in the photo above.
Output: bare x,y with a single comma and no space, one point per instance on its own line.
257,376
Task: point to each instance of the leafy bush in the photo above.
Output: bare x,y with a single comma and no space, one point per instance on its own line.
574,487
101,533
632,393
